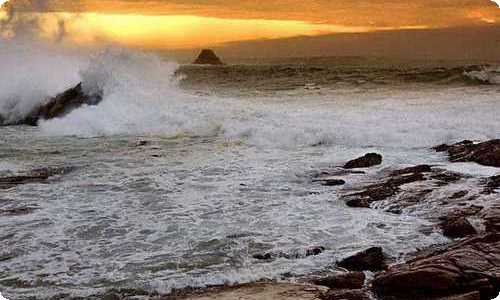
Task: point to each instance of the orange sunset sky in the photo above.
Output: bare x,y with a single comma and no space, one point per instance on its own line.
191,24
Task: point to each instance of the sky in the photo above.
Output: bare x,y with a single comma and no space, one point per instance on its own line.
194,24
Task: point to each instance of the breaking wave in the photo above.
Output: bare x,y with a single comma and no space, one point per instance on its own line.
142,96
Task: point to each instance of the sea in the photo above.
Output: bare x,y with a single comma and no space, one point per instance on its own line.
183,173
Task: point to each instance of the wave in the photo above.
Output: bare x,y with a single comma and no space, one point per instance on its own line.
142,96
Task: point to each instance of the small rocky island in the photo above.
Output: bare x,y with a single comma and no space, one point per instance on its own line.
208,57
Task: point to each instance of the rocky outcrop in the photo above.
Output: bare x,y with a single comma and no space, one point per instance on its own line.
208,57
470,266
57,107
366,161
372,259
485,153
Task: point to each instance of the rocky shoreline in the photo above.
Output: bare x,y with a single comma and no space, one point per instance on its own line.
468,268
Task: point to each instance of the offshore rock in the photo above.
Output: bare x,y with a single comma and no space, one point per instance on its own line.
208,57
366,161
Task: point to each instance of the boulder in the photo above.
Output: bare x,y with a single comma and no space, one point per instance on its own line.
295,254
485,153
372,259
457,227
351,280
57,107
207,57
366,161
469,266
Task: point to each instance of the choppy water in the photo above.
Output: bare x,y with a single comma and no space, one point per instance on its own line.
225,173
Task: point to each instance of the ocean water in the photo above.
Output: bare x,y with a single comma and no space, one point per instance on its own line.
182,173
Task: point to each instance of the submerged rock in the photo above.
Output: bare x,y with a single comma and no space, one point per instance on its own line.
485,153
366,161
57,106
330,181
33,176
296,254
372,259
207,57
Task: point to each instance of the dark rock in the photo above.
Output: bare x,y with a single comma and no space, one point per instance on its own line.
58,106
17,211
372,259
330,181
369,160
492,219
468,266
34,176
492,184
486,153
445,177
207,57
111,296
358,202
459,195
457,227
346,295
410,170
351,280
296,254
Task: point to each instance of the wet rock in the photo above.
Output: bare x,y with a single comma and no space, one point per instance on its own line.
492,219
457,227
207,57
351,280
468,266
410,170
358,202
33,176
296,254
372,259
446,177
459,195
384,190
485,153
492,184
17,211
58,106
366,161
330,181
346,295
111,296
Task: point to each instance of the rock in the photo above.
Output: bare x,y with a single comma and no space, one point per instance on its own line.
485,153
358,202
468,266
17,211
369,160
372,259
457,227
330,181
34,176
296,254
346,295
458,195
410,170
351,280
492,219
492,184
57,106
111,296
207,57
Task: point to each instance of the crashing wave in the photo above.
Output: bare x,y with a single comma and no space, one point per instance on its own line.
486,75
